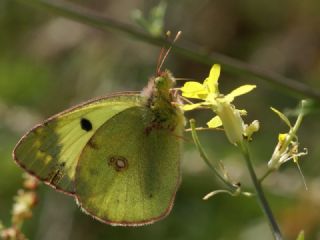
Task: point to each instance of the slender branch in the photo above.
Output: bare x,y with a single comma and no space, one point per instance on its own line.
193,52
261,197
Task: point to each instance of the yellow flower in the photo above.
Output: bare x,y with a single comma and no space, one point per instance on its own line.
227,115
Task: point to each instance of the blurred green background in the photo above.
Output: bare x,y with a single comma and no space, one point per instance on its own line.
48,63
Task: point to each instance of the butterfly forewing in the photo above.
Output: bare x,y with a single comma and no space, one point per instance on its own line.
128,174
51,150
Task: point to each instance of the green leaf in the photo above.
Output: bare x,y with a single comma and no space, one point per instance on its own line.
156,18
154,22
214,122
282,116
239,91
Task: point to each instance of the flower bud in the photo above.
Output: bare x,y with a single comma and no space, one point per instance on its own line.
231,121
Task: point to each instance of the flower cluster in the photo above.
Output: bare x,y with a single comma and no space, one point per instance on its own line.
287,147
227,115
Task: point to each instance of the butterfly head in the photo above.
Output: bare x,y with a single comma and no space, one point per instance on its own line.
164,82
159,86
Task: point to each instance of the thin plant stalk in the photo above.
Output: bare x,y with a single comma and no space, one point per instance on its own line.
204,156
260,194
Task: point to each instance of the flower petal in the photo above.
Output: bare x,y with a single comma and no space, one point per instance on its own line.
214,122
194,90
189,107
239,91
282,137
242,112
211,82
251,128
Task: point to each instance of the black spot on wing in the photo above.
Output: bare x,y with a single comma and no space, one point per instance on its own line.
86,124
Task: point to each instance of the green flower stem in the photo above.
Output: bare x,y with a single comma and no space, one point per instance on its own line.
190,51
264,176
260,194
203,154
297,124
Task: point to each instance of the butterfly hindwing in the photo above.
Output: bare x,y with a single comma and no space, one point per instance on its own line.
128,174
51,150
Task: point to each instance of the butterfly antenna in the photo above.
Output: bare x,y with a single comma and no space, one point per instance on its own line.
161,55
162,58
159,61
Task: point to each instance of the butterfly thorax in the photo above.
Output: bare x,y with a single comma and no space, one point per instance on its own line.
162,102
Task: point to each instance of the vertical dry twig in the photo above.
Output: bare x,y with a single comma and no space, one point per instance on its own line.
24,202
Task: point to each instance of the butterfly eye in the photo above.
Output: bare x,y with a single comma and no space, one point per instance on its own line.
159,81
118,162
